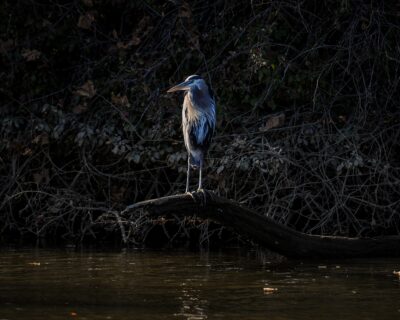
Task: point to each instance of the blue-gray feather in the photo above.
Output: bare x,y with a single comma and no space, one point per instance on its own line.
198,120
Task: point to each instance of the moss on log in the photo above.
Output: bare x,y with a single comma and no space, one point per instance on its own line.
265,231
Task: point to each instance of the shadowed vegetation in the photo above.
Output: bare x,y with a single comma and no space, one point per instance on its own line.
307,98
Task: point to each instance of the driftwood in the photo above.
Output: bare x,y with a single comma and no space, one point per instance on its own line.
266,231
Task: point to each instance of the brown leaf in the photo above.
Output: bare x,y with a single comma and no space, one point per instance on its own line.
274,122
185,11
144,24
27,152
115,34
31,55
37,178
85,21
117,194
86,90
6,45
88,3
80,108
43,139
220,169
120,100
194,41
134,41
121,45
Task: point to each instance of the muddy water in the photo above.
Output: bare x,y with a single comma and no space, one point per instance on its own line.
62,284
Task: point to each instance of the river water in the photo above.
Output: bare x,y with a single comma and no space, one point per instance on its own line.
63,284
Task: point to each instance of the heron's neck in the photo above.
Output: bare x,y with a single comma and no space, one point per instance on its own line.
199,110
193,110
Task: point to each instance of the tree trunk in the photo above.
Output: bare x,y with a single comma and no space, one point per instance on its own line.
266,231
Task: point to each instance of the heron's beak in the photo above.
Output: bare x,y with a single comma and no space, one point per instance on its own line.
180,87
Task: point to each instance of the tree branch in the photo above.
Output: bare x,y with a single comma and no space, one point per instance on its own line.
265,231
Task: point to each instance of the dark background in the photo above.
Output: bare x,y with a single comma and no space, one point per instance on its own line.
308,111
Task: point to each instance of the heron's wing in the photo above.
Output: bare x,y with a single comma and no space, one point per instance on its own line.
201,134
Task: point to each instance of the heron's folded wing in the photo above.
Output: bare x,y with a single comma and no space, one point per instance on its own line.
201,134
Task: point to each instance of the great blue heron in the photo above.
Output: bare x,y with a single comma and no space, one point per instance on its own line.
198,121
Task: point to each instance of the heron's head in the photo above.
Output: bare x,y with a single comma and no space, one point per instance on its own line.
193,81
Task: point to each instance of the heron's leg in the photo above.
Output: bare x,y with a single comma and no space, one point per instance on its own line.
188,174
200,189
200,173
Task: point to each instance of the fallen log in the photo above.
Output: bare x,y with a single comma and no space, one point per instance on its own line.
265,231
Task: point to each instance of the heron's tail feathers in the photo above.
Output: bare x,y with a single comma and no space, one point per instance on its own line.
195,159
194,162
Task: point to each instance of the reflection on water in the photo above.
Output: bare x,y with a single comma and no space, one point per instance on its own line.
58,284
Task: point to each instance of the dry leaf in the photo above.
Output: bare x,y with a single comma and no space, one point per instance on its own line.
43,139
37,178
274,122
36,140
120,100
194,41
88,3
31,55
85,21
86,90
144,22
115,34
185,11
27,152
220,169
80,108
6,45
117,194
134,41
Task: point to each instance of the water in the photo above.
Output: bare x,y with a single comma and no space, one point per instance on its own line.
58,284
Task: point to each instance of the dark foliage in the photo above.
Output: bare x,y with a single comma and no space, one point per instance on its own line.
308,111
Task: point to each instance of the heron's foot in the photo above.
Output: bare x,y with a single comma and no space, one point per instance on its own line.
204,196
191,194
